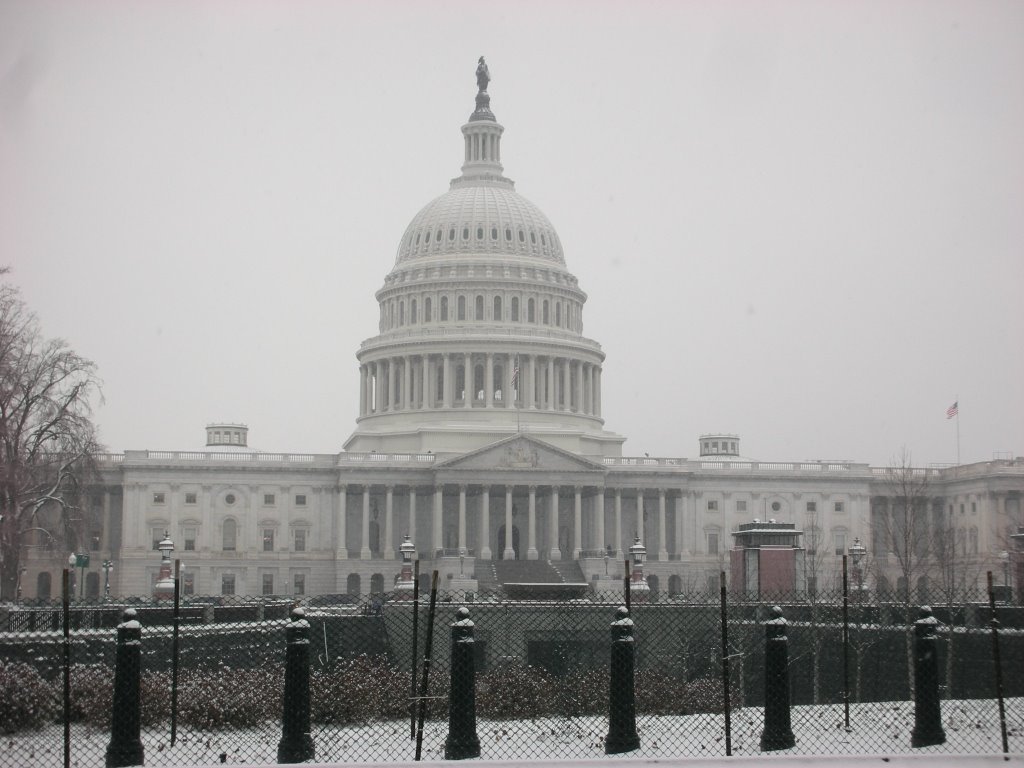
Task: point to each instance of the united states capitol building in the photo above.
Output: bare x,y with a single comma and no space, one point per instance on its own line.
481,437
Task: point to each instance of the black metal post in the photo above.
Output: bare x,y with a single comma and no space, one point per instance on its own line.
996,660
66,605
427,651
725,666
927,709
125,746
175,652
462,741
778,731
626,586
622,735
296,745
415,648
846,648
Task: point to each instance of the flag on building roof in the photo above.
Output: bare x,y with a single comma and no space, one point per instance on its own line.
952,411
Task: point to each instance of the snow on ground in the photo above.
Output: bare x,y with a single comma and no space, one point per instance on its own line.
972,727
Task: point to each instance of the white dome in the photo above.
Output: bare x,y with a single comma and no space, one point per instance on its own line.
480,219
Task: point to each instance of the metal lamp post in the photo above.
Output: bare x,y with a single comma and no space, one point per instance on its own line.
462,558
108,566
164,588
857,552
606,562
638,587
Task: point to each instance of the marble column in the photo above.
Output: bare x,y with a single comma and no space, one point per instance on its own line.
341,527
447,384
640,528
462,519
550,405
362,390
599,520
389,509
425,393
577,524
390,405
509,553
579,386
618,524
412,517
489,381
662,550
531,552
566,385
378,397
468,382
406,383
438,513
485,522
597,387
531,382
554,553
364,552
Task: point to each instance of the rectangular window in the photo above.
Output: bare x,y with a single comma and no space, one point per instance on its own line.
712,505
190,498
812,506
268,539
840,544
227,584
300,500
188,583
158,498
300,539
839,506
268,499
712,543
741,506
189,536
961,509
974,508
300,583
268,583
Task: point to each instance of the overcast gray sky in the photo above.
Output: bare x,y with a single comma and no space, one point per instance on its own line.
798,221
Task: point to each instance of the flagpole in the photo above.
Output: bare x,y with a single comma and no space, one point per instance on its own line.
515,393
958,430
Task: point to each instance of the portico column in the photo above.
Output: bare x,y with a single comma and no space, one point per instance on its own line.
425,389
412,516
662,551
462,519
618,523
468,381
485,522
640,516
364,552
389,508
340,528
509,553
678,507
589,405
489,381
599,502
378,397
447,384
554,553
577,524
597,389
531,552
438,509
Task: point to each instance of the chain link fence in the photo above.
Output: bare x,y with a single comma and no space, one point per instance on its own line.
692,675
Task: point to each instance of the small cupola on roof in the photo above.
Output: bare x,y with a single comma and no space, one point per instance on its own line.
719,444
222,434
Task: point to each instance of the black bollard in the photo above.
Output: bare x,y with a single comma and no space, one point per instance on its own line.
296,743
125,746
778,731
462,741
927,711
622,736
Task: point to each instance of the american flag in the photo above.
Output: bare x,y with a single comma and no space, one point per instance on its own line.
952,411
515,373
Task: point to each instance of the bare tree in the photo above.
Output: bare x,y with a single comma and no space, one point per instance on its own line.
47,438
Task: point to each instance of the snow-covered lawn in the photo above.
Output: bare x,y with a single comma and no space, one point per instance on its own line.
972,727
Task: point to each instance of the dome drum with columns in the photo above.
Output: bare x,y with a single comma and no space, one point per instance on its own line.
481,325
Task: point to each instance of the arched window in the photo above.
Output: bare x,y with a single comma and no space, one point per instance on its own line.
229,534
428,306
494,233
451,233
352,584
444,308
465,233
438,235
44,584
515,309
412,312
479,307
545,317
675,584
377,585
497,309
479,233
462,308
508,234
531,315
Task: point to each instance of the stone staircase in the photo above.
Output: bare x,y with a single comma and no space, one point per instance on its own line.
569,571
486,578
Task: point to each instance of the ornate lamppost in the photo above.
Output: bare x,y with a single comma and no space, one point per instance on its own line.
857,553
164,588
638,588
405,585
108,566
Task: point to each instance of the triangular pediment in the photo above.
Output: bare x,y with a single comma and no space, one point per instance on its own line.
521,452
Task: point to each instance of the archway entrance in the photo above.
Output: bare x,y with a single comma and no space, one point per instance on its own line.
501,542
